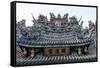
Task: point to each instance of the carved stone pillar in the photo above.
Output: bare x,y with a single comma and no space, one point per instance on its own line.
85,49
79,51
32,52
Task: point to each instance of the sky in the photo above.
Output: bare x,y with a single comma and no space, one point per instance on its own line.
25,11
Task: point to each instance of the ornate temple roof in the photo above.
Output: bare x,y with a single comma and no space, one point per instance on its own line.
54,43
58,32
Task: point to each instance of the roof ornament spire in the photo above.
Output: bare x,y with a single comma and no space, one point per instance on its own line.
34,20
59,16
81,25
65,15
52,15
80,19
